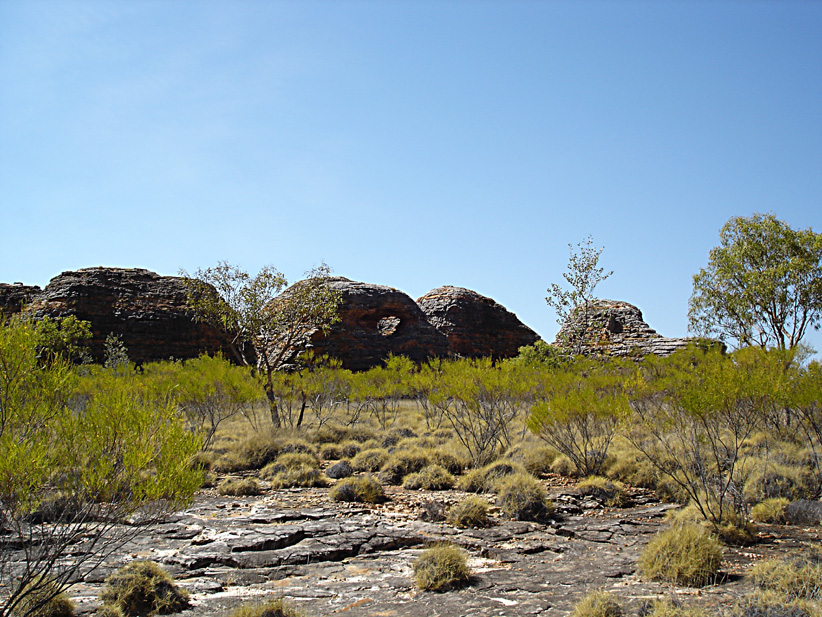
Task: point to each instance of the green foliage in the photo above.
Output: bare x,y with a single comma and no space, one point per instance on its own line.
266,323
609,492
541,355
770,510
597,604
430,478
582,277
271,608
67,337
42,597
762,285
115,354
364,489
470,512
100,450
143,588
243,487
523,498
684,554
441,568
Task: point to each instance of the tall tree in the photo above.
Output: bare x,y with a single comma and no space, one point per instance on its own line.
583,275
267,322
762,285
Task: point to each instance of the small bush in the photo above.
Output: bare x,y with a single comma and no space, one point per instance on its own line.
470,512
683,554
42,598
452,463
597,604
370,460
797,577
611,493
522,498
485,479
364,489
290,461
431,478
770,511
403,463
272,608
143,588
239,488
441,568
253,453
301,477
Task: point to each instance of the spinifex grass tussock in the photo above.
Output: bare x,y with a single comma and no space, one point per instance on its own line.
685,554
563,466
403,463
521,497
271,608
665,607
611,493
429,478
484,479
470,512
795,577
42,598
363,489
770,511
370,460
143,588
597,604
301,477
773,604
239,487
254,452
441,568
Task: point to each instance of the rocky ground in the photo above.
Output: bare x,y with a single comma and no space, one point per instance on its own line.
330,558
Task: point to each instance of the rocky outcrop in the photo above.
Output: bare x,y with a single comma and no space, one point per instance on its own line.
614,328
14,297
147,311
476,326
376,321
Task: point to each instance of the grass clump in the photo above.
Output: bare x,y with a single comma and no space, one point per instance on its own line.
485,479
239,487
440,568
610,492
301,477
370,460
143,588
798,577
403,463
771,604
597,604
470,512
252,453
522,498
43,598
665,607
685,554
563,466
363,489
452,463
770,510
430,478
271,608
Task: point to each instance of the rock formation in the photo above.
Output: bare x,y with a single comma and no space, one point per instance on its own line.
476,326
147,311
615,328
376,321
14,297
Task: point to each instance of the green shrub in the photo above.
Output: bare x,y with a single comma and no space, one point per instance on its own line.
485,479
403,463
364,489
440,568
522,498
683,554
611,493
370,460
239,487
798,577
143,588
770,511
470,512
42,598
597,604
430,478
271,608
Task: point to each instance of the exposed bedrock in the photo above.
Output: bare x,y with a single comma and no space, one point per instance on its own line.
476,326
14,297
149,312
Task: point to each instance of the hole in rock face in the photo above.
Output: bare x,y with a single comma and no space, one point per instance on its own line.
388,325
614,327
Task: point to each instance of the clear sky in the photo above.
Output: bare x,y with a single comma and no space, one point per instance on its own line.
408,143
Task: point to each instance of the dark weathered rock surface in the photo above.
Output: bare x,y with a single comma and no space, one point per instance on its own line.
614,328
476,326
148,311
804,512
376,321
14,297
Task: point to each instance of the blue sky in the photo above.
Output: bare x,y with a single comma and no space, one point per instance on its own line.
408,143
